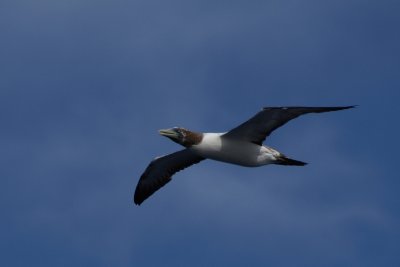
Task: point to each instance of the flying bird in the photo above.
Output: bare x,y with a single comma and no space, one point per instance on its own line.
242,145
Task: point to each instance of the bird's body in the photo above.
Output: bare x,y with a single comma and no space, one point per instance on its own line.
242,146
217,147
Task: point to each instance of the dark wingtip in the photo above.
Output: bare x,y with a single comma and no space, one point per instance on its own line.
317,109
137,199
347,107
337,108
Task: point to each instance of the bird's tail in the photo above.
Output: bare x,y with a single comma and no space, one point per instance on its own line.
283,160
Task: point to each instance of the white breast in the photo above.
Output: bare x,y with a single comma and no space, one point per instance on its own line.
232,151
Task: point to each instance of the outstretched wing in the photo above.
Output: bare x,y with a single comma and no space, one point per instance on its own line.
160,171
260,126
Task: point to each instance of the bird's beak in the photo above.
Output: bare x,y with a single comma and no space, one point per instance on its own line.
171,133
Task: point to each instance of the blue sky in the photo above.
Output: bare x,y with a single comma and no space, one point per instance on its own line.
85,85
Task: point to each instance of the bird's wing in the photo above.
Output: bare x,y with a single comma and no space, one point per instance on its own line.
260,126
160,171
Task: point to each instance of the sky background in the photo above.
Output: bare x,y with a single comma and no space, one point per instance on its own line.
85,85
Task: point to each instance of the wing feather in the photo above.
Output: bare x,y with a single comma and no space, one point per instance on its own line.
160,171
260,126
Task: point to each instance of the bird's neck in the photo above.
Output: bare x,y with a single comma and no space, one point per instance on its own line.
191,138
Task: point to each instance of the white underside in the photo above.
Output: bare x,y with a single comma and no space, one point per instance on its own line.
234,151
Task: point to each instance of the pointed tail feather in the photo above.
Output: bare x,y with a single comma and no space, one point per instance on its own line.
283,160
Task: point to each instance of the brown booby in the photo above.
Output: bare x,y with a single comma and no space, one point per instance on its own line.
241,146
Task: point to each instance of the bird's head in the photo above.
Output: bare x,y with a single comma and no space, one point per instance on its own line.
182,136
